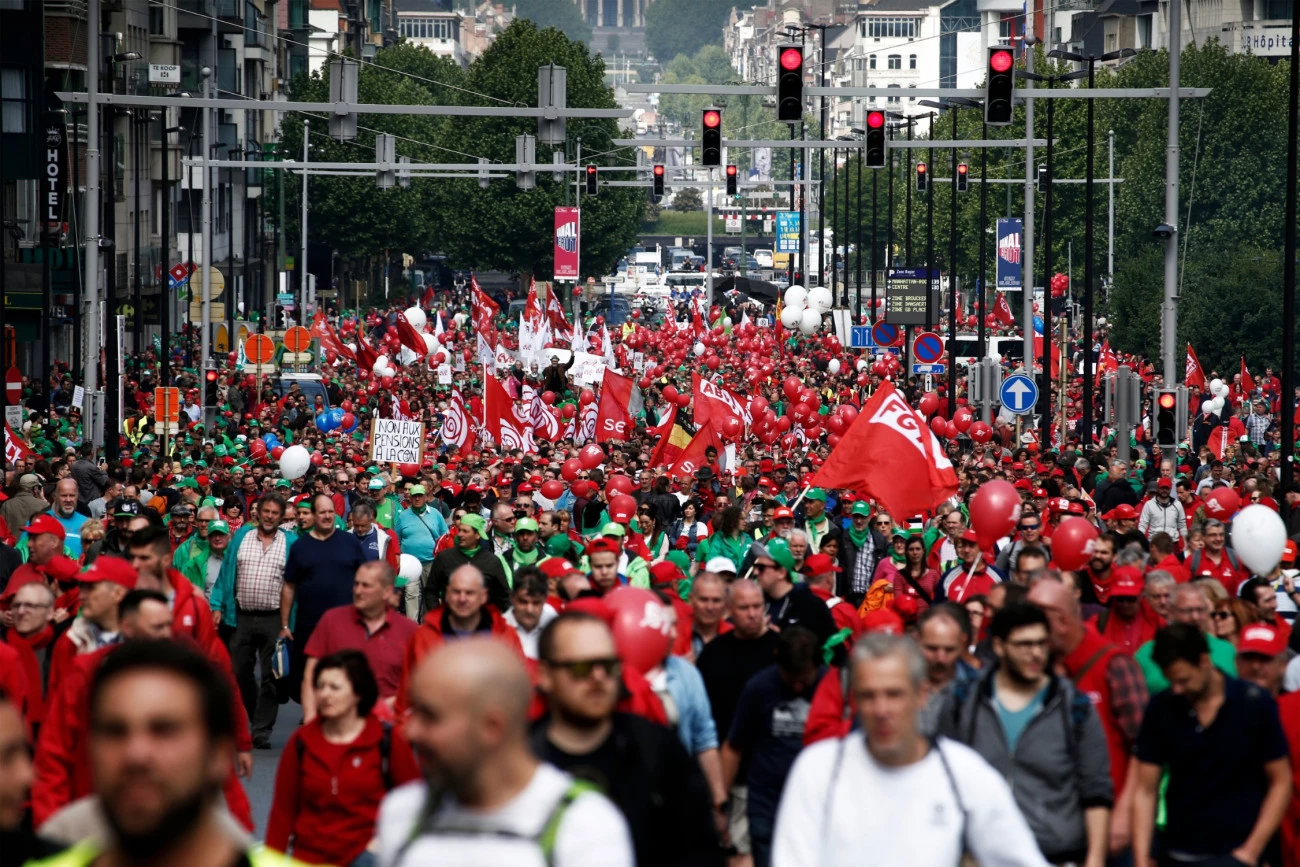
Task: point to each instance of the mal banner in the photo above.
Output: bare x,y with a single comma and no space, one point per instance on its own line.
568,231
396,442
55,179
1009,239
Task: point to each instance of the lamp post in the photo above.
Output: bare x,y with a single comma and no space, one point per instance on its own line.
1088,254
951,107
164,299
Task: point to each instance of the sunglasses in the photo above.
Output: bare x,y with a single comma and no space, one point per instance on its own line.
1024,527
1220,615
581,669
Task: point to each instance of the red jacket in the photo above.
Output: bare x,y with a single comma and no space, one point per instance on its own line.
432,634
1174,567
827,717
1086,666
191,615
62,763
36,682
327,795
844,614
1288,708
1129,636
14,682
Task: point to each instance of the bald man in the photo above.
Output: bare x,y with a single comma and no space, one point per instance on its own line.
65,512
495,803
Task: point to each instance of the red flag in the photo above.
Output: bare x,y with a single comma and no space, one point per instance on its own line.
1247,384
499,415
1038,355
1002,311
484,312
1109,363
715,403
410,338
673,441
322,331
614,421
426,300
1195,374
555,312
889,453
15,448
366,355
692,457
457,430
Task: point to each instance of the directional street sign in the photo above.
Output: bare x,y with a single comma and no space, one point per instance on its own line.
1018,393
927,348
929,369
860,338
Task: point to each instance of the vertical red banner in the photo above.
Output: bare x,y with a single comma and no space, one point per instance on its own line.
568,233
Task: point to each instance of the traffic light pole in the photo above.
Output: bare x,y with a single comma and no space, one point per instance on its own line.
952,271
980,286
1027,230
304,280
1045,391
1289,270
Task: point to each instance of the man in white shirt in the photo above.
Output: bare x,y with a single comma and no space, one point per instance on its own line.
495,803
529,614
919,802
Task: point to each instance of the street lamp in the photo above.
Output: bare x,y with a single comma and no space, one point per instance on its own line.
1088,375
980,283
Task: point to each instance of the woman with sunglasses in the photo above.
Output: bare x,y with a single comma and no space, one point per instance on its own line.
1229,617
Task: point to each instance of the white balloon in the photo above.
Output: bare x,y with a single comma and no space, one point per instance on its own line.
820,299
389,371
294,462
409,569
416,317
862,364
833,365
811,320
791,316
1259,537
1215,405
698,349
796,296
726,322
352,347
430,341
1216,387
381,364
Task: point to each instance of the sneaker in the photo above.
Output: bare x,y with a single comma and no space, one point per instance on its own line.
261,743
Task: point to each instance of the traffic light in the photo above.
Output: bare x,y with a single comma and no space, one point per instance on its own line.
658,175
591,180
789,83
922,177
875,144
998,86
963,177
1164,419
281,317
209,387
1043,180
712,137
731,180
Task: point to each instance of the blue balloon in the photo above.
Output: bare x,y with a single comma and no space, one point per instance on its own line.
336,417
323,422
269,439
1038,325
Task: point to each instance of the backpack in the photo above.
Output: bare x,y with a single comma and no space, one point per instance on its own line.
1195,562
385,751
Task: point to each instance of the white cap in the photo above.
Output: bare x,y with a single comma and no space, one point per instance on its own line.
720,564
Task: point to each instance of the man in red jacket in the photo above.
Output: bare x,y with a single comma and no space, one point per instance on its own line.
1127,622
465,612
151,554
820,570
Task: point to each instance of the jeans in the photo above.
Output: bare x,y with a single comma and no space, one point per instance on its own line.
253,646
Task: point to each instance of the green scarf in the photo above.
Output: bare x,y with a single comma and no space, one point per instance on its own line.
471,553
859,538
525,558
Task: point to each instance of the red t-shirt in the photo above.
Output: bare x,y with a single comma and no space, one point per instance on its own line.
342,629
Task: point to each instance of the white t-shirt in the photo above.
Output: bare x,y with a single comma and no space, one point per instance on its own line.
897,817
592,832
529,640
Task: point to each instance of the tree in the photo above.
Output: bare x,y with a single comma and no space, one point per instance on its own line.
560,14
688,199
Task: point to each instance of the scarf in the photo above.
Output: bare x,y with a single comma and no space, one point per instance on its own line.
525,558
27,647
859,538
471,553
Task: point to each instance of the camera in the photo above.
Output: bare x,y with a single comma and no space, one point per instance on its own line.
1163,232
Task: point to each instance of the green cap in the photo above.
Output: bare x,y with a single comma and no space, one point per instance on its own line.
525,525
861,508
377,484
612,529
815,494
283,483
680,559
476,523
218,527
559,545
778,550
186,483
416,489
902,532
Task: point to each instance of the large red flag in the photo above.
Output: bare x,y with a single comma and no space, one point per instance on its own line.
15,448
615,420
484,312
1002,311
555,312
366,355
457,428
715,403
499,415
410,338
1247,383
324,332
1109,363
692,457
1195,374
890,454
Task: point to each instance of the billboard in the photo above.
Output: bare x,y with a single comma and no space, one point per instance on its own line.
905,302
568,224
1009,241
787,231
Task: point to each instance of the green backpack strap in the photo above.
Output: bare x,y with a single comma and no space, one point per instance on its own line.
550,830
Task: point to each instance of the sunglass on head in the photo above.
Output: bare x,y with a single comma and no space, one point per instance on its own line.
582,669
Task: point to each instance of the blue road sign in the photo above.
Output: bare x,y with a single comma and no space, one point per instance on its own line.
1018,394
930,369
927,348
884,334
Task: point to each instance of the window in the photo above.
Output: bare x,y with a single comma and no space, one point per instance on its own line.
13,100
426,28
895,61
889,28
17,5
911,61
894,100
871,62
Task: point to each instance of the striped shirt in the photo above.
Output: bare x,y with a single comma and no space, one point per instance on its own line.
259,572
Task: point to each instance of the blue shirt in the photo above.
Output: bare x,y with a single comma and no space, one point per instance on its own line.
419,533
370,544
695,727
1015,721
72,526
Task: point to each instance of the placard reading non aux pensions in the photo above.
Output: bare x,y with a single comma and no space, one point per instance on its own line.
397,442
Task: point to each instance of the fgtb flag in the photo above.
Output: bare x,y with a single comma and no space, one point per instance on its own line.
1194,375
1247,382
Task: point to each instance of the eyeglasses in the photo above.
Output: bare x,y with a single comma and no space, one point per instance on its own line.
581,669
880,523
29,606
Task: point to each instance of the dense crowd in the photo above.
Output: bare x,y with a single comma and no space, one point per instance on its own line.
696,613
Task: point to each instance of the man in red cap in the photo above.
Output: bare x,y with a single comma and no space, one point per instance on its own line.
1121,519
971,575
1127,622
102,588
1261,657
820,571
45,537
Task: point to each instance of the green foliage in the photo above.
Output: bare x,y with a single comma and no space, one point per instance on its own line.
688,199
674,27
560,14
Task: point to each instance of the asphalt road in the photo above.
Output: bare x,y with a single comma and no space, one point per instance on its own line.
261,788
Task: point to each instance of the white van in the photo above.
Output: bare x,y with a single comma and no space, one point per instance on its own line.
966,350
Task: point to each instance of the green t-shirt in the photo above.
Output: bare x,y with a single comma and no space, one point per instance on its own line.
1222,654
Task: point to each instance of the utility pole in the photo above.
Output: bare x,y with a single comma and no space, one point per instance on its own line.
90,374
1288,264
1110,232
1027,243
1169,310
137,316
821,177
304,278
164,299
205,338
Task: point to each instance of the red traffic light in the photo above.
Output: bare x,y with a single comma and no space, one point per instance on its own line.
591,170
875,119
1000,61
920,168
731,171
962,168
1166,400
791,58
712,119
211,376
659,171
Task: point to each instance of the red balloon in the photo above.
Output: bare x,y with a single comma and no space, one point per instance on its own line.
1072,543
800,411
591,456
1222,503
548,398
568,411
348,421
929,403
835,423
849,412
994,511
712,362
317,459
962,420
553,489
346,404
587,396
792,387
732,427
757,405
276,452
670,393
939,425
409,471
980,432
833,439
782,424
570,469
257,448
618,484
683,400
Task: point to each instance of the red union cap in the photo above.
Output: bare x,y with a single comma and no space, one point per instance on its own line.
712,118
1262,639
1000,59
791,58
875,119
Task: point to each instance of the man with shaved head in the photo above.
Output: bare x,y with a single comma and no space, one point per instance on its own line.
1108,676
485,799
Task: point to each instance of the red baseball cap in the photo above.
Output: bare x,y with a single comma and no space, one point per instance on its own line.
45,523
969,535
61,568
883,620
1289,552
603,545
820,564
556,567
1164,483
665,572
113,569
782,513
1262,639
1125,581
1124,512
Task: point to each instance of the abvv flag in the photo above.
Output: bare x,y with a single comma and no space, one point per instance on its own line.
890,454
614,421
456,428
1195,374
1002,311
